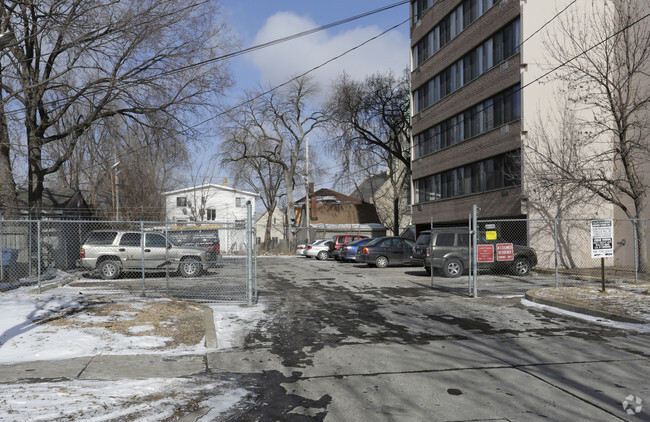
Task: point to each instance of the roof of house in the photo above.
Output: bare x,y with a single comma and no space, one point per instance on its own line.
328,196
208,186
56,198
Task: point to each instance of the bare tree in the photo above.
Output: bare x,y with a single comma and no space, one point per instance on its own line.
278,123
259,174
73,63
606,56
555,138
371,128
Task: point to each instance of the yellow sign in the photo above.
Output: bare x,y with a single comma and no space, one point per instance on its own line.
491,235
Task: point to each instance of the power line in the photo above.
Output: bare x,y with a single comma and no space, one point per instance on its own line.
237,53
554,69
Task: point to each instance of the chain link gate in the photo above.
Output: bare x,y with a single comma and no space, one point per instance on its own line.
208,262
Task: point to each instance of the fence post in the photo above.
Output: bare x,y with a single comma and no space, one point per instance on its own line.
166,258
471,269
557,278
38,254
249,251
142,252
430,249
475,246
2,254
635,222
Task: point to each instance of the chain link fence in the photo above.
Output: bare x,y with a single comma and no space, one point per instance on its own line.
208,262
513,256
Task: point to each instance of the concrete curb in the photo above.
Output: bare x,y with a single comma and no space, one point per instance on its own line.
210,329
531,295
50,286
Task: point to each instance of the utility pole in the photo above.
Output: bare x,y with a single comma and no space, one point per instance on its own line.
307,187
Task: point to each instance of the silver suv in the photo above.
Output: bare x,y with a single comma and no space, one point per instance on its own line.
113,251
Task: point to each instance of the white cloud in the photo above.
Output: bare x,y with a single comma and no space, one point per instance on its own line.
279,63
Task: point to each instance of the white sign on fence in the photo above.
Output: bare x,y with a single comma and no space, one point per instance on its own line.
602,238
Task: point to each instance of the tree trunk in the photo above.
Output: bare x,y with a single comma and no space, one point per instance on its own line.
8,198
290,209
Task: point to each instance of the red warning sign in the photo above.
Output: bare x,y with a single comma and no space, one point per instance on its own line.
485,253
505,252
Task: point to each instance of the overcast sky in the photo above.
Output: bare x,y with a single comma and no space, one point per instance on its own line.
260,21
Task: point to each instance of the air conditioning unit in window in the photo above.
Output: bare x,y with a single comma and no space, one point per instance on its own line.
505,129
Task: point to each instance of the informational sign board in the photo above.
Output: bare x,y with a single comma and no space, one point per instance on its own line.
505,252
485,253
602,238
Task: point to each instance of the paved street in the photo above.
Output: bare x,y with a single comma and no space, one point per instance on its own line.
347,342
344,342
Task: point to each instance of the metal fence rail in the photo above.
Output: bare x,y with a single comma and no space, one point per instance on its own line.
211,262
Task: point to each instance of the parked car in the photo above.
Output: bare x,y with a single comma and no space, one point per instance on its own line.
113,251
305,247
207,238
300,249
384,251
448,250
348,251
320,250
341,239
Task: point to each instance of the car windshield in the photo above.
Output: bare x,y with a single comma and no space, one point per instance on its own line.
374,241
423,239
360,242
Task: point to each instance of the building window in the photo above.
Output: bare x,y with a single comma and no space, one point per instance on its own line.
421,6
211,214
497,172
498,48
503,108
448,28
181,201
240,202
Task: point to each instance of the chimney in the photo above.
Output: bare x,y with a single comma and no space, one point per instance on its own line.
225,181
313,214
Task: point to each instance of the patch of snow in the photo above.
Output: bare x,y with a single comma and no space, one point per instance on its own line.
643,328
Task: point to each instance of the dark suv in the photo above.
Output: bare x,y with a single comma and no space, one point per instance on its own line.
448,250
207,238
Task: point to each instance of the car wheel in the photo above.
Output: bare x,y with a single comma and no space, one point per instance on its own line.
521,266
109,270
453,268
428,270
322,255
190,267
381,262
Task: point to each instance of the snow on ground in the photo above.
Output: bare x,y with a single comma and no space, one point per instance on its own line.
643,328
23,339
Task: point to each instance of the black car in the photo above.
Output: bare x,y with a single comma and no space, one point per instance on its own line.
384,251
